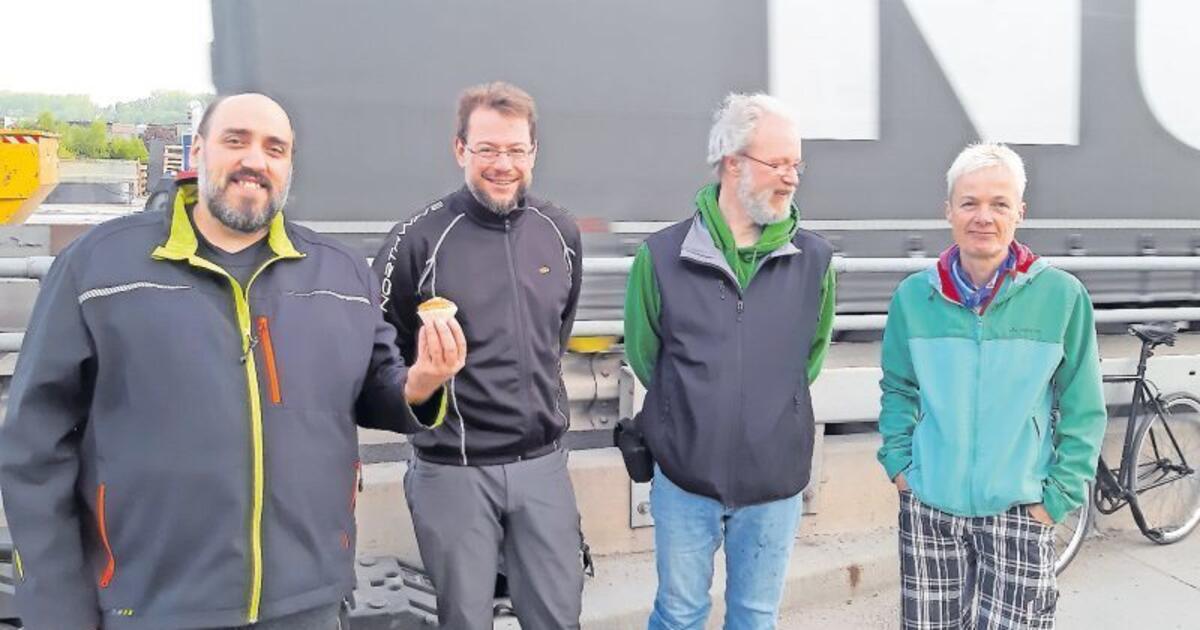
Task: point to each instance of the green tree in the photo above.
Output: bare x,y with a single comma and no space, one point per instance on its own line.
45,121
88,142
161,107
128,149
63,107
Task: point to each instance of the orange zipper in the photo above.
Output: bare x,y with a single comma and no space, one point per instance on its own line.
264,336
358,484
110,568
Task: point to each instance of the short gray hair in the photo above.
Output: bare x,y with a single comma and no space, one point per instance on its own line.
734,123
976,157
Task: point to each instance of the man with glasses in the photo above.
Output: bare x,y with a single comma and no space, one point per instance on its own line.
728,317
490,483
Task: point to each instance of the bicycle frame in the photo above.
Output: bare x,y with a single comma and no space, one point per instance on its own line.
1114,491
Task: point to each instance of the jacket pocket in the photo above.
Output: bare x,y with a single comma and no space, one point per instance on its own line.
1037,427
268,350
110,567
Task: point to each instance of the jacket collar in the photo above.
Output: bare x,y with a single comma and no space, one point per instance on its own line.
1025,268
181,243
698,246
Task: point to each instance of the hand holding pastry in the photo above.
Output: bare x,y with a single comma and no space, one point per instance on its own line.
441,350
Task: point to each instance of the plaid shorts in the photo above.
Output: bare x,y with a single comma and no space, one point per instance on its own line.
975,573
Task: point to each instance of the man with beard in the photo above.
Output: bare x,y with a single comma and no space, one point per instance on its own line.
180,447
490,485
728,317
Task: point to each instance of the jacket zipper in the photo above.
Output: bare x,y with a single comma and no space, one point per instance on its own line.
241,297
975,414
979,323
245,325
264,338
519,303
258,480
978,372
730,423
110,568
740,306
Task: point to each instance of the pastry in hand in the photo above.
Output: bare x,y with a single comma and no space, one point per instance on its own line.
436,309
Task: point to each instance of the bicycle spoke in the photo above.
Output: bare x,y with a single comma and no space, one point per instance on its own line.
1166,487
1069,534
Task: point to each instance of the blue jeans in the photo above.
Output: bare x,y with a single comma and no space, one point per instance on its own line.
688,529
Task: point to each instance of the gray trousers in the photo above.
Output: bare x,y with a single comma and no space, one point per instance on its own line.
468,517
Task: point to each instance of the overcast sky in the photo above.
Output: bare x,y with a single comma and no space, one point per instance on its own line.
115,50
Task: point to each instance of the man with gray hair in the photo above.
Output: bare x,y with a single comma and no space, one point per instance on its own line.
992,412
728,316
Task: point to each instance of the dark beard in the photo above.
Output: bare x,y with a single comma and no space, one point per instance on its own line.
249,221
245,222
501,208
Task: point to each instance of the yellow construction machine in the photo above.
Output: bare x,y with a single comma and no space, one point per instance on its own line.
28,172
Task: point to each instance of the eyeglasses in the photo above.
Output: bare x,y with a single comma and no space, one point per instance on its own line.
780,168
518,155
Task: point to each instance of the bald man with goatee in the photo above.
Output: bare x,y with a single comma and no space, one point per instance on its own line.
180,447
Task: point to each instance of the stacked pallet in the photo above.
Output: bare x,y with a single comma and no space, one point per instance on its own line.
172,158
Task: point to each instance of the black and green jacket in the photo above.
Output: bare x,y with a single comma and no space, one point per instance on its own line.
180,451
727,341
643,301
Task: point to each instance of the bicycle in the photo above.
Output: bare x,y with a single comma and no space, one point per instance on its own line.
1157,475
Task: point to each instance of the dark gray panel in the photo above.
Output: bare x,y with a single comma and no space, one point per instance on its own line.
626,89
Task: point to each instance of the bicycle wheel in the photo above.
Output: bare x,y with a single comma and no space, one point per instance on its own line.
1070,532
1166,475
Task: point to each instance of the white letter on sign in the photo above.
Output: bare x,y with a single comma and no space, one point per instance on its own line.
1013,64
823,60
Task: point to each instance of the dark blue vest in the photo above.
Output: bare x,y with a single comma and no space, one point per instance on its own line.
728,413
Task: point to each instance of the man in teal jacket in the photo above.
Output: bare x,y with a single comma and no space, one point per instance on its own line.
992,411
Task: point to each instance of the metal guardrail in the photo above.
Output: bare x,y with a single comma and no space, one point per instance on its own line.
842,264
37,266
877,322
11,342
32,267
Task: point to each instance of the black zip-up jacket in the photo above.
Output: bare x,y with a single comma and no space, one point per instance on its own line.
516,281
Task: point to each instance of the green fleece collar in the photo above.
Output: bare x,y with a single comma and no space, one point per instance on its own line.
181,243
743,260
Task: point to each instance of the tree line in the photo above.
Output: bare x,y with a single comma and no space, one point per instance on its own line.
63,115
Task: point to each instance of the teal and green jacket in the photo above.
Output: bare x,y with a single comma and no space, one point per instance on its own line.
643,306
985,410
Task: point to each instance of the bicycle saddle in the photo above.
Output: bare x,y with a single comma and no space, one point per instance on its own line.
1154,334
